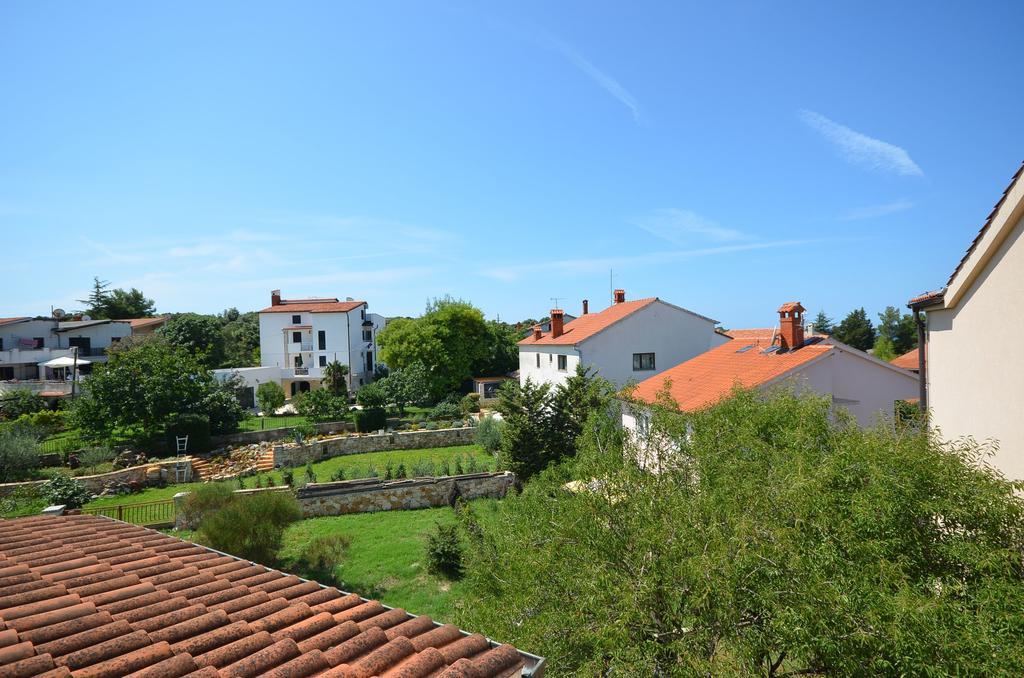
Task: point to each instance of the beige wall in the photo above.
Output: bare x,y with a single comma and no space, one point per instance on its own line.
975,374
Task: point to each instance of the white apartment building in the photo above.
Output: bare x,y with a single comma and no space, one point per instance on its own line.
627,342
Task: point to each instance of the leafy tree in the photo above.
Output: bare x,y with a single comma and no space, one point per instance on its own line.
779,542
372,396
526,411
320,405
14,404
572,404
898,329
241,333
407,386
200,335
449,339
95,303
270,396
64,490
883,349
823,324
117,304
502,355
334,379
856,330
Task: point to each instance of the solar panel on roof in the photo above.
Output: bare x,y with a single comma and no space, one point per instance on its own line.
770,349
744,349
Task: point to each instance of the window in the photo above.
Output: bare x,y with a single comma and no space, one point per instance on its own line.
39,342
367,335
538,360
323,361
362,314
298,361
562,363
321,339
296,319
296,337
1,343
643,362
369,361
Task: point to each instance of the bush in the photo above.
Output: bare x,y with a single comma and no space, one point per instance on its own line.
400,471
288,476
269,396
251,527
303,431
64,490
204,501
470,403
19,455
444,551
371,420
310,474
94,456
339,474
195,426
26,500
445,410
488,434
322,554
43,423
372,396
321,405
20,402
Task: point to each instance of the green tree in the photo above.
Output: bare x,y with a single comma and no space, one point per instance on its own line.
883,349
779,542
14,404
823,324
372,397
334,379
856,330
269,396
96,302
320,405
241,333
407,386
200,335
502,355
251,527
573,402
124,304
526,411
449,339
898,329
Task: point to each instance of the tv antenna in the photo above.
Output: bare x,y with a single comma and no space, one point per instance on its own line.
555,300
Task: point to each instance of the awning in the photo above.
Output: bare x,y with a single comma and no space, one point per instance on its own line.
65,362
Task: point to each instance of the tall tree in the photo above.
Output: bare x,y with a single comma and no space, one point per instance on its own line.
856,330
241,338
200,335
526,411
124,304
898,329
95,303
502,350
823,324
334,378
572,403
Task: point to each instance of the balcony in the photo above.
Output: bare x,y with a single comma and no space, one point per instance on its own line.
301,371
37,386
16,356
306,346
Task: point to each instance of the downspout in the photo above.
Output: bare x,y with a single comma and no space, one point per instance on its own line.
922,365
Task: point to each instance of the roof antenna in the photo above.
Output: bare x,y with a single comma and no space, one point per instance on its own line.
554,300
611,286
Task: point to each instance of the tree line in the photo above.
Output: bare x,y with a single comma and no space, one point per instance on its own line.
895,334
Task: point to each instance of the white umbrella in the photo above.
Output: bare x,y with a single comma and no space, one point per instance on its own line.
65,362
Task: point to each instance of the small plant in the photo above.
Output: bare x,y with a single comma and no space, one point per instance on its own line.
444,551
322,554
389,471
488,434
251,527
445,411
303,431
310,474
472,466
423,469
458,466
445,470
241,482
339,474
65,490
269,396
288,476
430,426
94,456
400,472
371,472
470,403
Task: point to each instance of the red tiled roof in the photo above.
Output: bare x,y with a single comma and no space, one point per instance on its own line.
590,324
765,333
313,306
708,378
927,298
4,321
907,361
91,597
137,323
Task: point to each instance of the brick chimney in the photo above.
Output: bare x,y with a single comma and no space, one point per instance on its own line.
537,332
620,296
586,307
791,325
557,322
275,297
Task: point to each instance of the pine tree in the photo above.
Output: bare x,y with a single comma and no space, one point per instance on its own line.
96,302
823,324
856,330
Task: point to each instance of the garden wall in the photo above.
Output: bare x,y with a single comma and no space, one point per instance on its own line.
249,437
374,494
299,455
142,475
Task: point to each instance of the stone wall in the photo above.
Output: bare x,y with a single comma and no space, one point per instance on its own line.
147,474
374,494
296,455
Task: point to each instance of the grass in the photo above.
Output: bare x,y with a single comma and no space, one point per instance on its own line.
267,423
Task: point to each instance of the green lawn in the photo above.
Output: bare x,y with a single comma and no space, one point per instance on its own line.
266,423
355,465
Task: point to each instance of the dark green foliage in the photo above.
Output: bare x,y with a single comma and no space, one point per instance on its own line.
772,537
269,397
117,304
407,386
204,501
19,455
322,554
899,330
334,378
368,421
320,405
310,474
372,396
64,490
823,324
470,403
288,476
251,527
222,408
195,426
445,411
571,404
241,332
445,551
526,412
856,330
502,350
339,474
199,335
14,404
400,471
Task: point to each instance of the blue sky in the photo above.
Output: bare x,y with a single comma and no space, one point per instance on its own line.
725,157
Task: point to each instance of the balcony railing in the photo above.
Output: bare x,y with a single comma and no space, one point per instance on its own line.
306,346
301,371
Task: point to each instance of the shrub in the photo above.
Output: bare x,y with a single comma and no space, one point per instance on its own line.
269,396
322,554
470,403
371,420
388,470
400,471
26,500
372,397
488,434
303,431
310,474
445,410
288,476
204,501
43,423
19,455
195,426
17,403
64,490
458,466
444,550
321,405
339,474
251,527
430,426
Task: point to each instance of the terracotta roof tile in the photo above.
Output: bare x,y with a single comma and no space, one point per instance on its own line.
313,306
590,324
90,597
907,361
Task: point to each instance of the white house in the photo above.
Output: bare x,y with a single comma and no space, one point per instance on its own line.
628,341
970,330
867,387
299,337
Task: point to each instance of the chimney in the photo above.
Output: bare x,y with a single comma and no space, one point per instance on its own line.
275,297
586,307
791,325
620,296
557,322
537,332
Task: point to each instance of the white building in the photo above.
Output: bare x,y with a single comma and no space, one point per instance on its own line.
867,387
299,337
627,342
972,372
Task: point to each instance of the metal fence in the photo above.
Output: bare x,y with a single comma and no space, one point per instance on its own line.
61,445
150,514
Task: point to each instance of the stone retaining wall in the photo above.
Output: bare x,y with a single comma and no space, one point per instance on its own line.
370,495
300,455
96,483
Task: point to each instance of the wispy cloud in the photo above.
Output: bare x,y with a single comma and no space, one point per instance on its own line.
603,80
860,148
681,227
515,272
875,211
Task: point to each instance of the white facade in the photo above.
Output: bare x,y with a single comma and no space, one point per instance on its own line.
26,344
672,334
